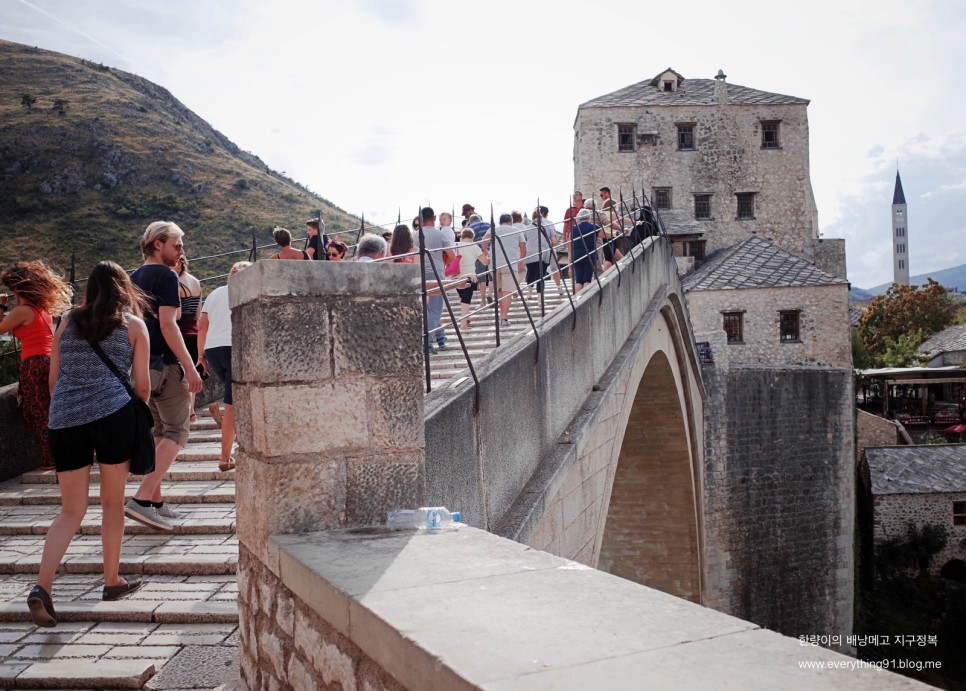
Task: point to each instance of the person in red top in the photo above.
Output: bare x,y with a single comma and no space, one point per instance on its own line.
40,294
570,217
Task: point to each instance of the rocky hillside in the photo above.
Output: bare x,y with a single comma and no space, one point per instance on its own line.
89,155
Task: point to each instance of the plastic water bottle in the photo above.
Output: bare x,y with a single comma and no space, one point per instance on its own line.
424,518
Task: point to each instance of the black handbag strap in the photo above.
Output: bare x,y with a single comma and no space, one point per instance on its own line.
96,347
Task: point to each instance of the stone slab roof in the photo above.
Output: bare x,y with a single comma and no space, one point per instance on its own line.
679,222
757,263
690,92
948,340
917,469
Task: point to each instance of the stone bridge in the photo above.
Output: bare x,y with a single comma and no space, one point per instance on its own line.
584,443
587,441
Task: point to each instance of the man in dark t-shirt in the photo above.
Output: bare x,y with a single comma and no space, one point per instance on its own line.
173,374
317,241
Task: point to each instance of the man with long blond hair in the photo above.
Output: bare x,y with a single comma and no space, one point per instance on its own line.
173,374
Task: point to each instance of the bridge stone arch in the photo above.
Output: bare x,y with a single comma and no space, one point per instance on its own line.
650,531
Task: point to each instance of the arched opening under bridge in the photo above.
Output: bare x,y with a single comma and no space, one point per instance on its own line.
651,530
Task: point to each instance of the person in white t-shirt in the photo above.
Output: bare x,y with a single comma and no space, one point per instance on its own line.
468,252
214,355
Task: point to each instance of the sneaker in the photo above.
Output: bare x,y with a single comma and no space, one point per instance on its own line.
504,322
41,607
441,345
432,351
166,511
116,592
148,515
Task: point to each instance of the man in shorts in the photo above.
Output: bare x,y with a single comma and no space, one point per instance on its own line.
439,246
507,253
173,374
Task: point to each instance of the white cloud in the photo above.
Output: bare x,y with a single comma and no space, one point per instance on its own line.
386,104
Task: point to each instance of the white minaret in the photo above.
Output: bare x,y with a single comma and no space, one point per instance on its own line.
900,239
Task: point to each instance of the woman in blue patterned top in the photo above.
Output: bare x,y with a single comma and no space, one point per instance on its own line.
92,413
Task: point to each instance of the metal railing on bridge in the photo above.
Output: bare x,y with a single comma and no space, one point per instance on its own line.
637,220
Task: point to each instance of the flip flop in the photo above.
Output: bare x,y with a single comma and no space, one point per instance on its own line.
225,466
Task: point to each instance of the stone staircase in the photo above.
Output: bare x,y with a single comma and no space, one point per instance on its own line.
480,339
179,631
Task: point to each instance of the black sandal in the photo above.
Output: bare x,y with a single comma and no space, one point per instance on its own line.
41,607
116,592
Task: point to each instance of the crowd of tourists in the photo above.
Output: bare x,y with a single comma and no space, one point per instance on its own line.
517,251
144,338
151,337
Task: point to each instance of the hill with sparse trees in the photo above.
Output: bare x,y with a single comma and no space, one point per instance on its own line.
89,155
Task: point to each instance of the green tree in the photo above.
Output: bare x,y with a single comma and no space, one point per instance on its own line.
901,352
901,311
27,101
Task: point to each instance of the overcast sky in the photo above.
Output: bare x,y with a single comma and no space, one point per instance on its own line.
379,105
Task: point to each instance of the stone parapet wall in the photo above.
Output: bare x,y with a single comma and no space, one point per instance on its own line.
465,609
327,386
287,644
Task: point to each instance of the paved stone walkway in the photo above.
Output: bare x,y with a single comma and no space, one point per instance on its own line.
179,631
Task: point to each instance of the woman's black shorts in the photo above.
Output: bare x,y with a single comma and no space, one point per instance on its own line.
111,438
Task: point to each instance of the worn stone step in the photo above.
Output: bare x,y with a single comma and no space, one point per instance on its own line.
72,669
77,589
119,655
204,423
128,610
13,493
200,451
160,553
182,471
202,436
194,519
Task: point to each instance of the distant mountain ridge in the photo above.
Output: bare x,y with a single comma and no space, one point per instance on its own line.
951,278
89,155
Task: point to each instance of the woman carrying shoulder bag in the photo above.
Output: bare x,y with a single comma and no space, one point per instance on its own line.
91,412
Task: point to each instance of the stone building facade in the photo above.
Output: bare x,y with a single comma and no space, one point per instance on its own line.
922,485
776,308
735,158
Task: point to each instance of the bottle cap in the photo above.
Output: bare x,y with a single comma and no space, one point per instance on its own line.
457,517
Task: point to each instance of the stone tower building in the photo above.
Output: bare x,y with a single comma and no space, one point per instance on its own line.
727,167
732,157
900,242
